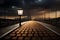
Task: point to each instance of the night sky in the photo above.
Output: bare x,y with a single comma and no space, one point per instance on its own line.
25,4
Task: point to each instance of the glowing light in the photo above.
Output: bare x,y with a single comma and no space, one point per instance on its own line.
20,12
39,0
13,7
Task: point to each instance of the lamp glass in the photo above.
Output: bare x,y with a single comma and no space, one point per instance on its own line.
20,12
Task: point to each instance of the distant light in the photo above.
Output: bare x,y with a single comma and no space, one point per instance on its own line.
39,0
20,12
13,7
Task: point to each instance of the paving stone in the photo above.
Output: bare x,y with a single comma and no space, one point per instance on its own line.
30,35
27,38
46,35
18,35
41,35
33,38
36,38
35,34
12,34
13,38
24,34
29,32
18,32
46,38
20,38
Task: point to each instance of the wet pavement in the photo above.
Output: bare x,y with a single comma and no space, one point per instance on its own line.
31,30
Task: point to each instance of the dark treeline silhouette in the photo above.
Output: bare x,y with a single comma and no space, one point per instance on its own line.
55,22
7,22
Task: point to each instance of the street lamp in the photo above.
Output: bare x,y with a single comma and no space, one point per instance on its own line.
20,13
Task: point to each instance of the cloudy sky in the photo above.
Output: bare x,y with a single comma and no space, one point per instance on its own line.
25,4
28,3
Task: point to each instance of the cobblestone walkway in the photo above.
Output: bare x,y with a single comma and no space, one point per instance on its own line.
31,31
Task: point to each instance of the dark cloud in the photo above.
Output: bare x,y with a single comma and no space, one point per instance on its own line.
26,4
8,12
1,1
29,3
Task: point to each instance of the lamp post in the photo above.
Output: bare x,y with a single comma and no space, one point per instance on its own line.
20,13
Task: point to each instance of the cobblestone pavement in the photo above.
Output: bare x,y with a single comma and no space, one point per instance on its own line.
31,31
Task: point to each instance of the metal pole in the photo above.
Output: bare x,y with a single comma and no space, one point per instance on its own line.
20,20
